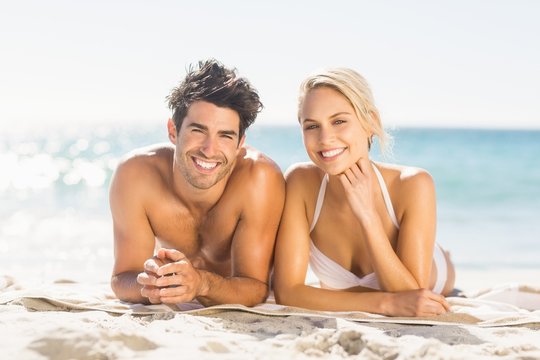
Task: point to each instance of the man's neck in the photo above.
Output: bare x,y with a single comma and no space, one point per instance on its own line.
198,201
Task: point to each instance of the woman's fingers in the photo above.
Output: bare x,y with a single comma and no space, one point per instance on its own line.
442,300
364,165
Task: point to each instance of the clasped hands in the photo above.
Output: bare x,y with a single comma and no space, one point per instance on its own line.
170,278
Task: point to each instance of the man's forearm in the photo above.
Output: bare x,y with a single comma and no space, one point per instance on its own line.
234,290
126,288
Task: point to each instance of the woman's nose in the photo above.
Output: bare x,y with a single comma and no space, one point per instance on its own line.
326,135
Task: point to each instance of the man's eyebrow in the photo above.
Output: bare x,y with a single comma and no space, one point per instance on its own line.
205,128
198,126
228,132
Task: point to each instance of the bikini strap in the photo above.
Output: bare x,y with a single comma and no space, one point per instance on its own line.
386,197
320,200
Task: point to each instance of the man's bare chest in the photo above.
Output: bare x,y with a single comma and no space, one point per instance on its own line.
201,237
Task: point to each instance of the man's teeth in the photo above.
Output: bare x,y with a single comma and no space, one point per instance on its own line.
332,152
205,165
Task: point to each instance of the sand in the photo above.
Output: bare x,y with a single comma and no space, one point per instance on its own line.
62,332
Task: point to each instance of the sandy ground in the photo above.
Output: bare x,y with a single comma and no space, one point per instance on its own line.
28,334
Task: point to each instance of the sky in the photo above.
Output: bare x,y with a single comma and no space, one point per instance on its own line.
455,63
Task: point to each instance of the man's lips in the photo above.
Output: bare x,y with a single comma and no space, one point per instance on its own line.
205,164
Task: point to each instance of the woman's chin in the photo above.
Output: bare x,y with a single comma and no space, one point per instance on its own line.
332,170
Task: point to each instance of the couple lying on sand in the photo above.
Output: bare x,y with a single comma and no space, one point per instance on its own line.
207,218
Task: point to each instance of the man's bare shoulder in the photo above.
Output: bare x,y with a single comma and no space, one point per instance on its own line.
145,156
257,165
144,164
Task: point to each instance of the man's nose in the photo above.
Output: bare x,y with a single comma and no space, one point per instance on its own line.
209,147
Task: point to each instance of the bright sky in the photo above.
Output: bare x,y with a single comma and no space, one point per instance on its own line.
430,63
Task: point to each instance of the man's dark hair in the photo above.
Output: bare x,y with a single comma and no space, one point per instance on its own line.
211,81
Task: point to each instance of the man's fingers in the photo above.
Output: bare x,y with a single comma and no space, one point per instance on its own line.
172,268
169,254
173,291
176,295
150,292
174,279
146,279
174,255
151,265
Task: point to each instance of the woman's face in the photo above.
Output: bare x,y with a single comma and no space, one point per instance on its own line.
333,135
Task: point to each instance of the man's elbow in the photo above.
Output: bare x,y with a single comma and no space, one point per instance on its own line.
117,287
123,291
260,295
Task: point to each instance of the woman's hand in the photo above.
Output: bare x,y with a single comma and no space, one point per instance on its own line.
358,183
419,302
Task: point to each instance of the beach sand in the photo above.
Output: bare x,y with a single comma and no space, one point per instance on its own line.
63,333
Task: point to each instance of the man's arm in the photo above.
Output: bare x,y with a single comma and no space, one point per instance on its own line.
251,250
133,236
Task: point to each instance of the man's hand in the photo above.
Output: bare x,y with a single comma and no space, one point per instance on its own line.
178,280
148,279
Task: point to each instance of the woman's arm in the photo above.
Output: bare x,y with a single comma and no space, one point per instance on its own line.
291,262
409,266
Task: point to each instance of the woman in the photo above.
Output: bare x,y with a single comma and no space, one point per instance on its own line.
366,229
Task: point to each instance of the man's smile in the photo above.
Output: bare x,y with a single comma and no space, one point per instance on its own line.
205,165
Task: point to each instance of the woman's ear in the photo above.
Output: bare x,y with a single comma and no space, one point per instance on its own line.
171,128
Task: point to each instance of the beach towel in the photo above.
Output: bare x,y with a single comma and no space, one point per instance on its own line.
504,305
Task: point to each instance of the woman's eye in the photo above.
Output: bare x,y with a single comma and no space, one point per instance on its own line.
337,122
310,127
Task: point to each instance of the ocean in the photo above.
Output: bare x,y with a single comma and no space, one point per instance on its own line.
55,220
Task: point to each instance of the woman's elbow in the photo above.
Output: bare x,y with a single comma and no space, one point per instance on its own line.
284,295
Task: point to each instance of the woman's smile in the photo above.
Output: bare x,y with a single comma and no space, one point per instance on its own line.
331,154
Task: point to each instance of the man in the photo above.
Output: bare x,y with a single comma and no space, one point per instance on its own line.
209,205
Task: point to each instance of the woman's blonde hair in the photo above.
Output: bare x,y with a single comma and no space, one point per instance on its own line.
356,90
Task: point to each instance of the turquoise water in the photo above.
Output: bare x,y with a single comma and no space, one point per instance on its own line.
54,192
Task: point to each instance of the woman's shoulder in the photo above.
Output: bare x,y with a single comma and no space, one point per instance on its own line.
305,171
305,176
403,173
405,179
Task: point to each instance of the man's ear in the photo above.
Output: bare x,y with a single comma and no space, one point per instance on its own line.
171,128
242,140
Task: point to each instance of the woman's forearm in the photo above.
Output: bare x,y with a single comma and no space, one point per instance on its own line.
310,297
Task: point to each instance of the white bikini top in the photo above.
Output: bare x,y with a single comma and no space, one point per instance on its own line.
331,274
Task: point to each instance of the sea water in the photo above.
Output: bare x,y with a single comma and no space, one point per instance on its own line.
55,219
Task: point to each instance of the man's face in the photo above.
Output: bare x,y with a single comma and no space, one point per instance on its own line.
207,144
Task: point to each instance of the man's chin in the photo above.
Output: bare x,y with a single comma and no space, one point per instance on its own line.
205,182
